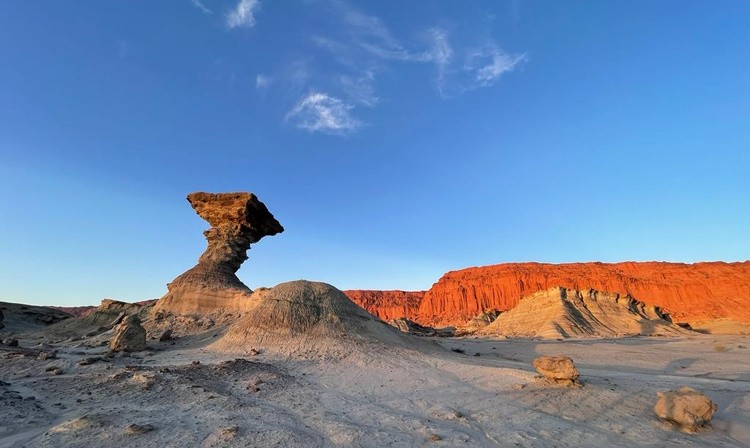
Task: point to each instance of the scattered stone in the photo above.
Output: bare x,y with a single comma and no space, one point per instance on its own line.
10,342
558,370
253,352
129,336
434,438
686,408
458,350
89,361
166,335
195,363
57,371
43,356
135,429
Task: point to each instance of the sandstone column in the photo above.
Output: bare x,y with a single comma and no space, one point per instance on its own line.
237,221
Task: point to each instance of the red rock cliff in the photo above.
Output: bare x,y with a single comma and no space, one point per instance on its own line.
688,292
387,305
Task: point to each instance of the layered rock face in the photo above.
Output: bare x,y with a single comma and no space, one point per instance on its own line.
689,292
237,221
387,305
567,313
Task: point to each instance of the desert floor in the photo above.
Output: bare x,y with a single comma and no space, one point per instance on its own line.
191,395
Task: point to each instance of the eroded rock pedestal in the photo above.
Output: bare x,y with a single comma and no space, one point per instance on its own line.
237,221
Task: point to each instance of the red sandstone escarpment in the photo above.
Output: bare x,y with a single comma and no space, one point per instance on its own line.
387,305
689,292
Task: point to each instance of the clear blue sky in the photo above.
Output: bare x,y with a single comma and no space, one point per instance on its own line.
393,140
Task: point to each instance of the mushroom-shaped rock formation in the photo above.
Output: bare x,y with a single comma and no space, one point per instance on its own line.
237,221
308,319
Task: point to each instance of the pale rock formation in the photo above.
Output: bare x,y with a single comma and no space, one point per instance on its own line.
237,221
557,369
567,313
129,335
686,408
304,318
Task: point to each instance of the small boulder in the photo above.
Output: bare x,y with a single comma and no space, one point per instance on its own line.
43,356
167,335
129,335
558,370
89,361
10,342
135,429
686,408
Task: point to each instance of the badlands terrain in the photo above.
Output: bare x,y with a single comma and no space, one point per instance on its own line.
302,364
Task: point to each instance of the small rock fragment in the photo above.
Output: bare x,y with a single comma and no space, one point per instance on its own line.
558,370
135,429
686,408
10,342
43,356
166,335
89,361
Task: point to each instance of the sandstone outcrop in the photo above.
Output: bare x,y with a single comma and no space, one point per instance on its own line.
129,335
409,326
387,305
237,221
568,313
689,292
686,408
558,370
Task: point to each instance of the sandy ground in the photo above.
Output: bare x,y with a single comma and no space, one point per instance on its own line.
183,393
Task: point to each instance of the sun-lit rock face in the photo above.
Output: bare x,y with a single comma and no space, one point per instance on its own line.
387,305
689,292
237,221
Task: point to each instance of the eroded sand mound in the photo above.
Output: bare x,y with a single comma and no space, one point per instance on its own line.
306,318
568,313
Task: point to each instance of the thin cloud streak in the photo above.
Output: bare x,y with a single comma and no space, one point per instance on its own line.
263,82
201,7
320,112
243,15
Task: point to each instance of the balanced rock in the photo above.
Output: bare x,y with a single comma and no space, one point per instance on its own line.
685,407
237,221
557,369
129,335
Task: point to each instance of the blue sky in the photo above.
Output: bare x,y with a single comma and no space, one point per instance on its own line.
393,140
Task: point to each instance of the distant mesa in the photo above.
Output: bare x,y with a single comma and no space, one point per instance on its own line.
561,313
237,221
698,293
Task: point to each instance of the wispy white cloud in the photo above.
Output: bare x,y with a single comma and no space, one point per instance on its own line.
263,82
440,53
320,112
243,15
360,89
201,7
488,64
